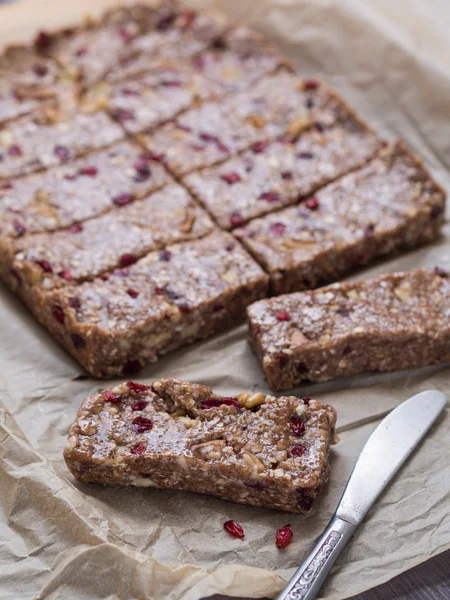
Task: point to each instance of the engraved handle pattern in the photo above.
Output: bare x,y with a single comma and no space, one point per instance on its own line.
308,576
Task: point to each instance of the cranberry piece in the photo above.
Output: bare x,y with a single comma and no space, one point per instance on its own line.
120,114
187,18
124,34
110,396
165,23
440,272
76,228
208,137
198,62
231,178
140,405
130,92
312,203
42,40
131,367
127,259
165,255
81,52
287,175
197,147
305,400
142,170
270,196
369,231
182,127
304,499
40,69
104,276
174,83
59,314
305,155
133,293
297,425
310,84
88,171
6,186
142,424
277,228
138,448
75,303
123,199
297,450
78,341
15,150
65,274
229,247
234,529
236,219
228,401
255,485
259,147
137,387
283,316
19,228
282,358
283,537
45,265
62,152
158,157
320,126
215,402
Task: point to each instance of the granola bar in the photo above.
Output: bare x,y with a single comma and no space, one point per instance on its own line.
391,322
390,205
84,188
280,104
85,251
127,318
272,175
251,448
34,142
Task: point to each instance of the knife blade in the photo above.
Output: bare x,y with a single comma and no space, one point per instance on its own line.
386,450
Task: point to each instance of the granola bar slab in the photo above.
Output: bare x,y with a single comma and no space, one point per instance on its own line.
280,104
391,322
390,205
126,319
252,449
272,175
31,143
84,188
83,252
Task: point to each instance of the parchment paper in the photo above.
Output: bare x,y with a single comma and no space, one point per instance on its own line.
65,540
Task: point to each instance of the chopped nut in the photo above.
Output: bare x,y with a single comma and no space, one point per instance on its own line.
353,294
144,482
296,126
278,473
256,121
253,462
403,293
209,450
187,422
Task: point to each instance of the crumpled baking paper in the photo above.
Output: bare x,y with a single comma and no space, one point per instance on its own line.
62,539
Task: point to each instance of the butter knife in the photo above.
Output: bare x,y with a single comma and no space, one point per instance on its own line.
386,450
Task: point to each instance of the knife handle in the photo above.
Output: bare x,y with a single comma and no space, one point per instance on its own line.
308,579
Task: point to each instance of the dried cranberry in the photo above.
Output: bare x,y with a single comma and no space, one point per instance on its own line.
123,199
110,396
165,255
208,137
310,84
138,448
127,259
42,40
158,157
197,147
88,171
81,52
140,405
306,400
368,232
76,228
297,425
287,175
131,367
283,316
6,186
215,402
320,126
312,203
229,247
65,274
59,315
270,196
282,358
165,23
137,387
124,34
305,155
75,303
104,276
235,219
277,228
142,424
234,529
130,92
120,114
187,18
198,62
297,450
283,537
228,401
305,499
142,170
15,150
255,485
259,147
231,178
19,228
174,83
440,272
45,265
62,152
78,341
40,69
133,293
